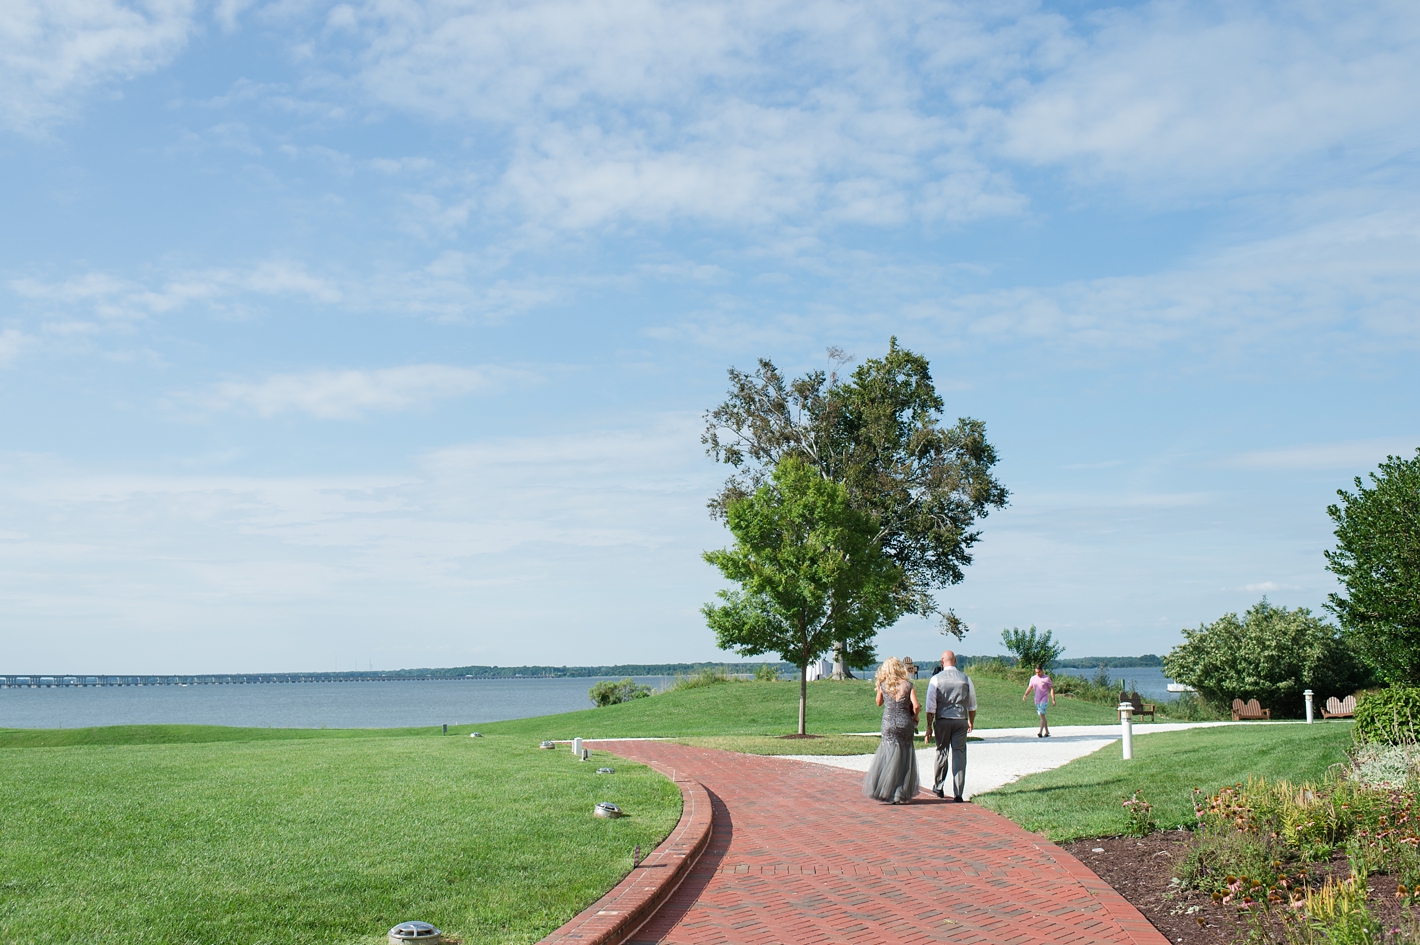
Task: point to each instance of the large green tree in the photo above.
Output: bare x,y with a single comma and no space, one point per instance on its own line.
809,572
923,485
1271,654
1377,559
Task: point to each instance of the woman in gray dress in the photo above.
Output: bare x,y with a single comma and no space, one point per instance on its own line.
892,777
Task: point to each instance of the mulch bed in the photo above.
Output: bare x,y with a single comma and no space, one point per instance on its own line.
1140,870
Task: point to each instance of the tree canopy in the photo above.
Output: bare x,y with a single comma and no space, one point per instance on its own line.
1272,655
922,485
1377,559
809,572
1031,650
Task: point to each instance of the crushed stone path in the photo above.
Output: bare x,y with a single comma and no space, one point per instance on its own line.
798,855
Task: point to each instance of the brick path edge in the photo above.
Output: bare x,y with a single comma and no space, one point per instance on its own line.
615,917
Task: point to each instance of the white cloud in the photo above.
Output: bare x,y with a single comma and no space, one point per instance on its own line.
1358,455
348,394
1307,292
53,51
522,549
12,342
1268,587
1205,96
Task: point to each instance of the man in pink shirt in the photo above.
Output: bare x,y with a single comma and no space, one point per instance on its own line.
1044,691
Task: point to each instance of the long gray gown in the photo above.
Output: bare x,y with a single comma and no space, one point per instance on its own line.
892,776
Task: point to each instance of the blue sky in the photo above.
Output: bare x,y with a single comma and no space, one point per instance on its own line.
378,333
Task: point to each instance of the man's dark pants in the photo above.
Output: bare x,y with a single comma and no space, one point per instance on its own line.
951,734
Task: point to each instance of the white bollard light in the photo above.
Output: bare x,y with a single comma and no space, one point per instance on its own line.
1126,726
1308,695
577,748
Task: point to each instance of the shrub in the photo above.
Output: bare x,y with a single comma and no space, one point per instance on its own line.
706,677
1272,654
766,672
607,692
1388,716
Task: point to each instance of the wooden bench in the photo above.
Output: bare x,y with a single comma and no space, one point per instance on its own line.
1141,708
1244,711
1340,708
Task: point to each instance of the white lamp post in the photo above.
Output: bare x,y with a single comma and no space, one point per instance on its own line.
1308,695
1126,726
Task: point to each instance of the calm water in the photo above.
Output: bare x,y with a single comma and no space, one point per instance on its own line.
1150,681
300,705
344,705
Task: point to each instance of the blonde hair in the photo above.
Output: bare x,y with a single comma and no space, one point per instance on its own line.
891,673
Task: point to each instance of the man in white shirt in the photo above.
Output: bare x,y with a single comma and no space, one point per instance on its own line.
951,715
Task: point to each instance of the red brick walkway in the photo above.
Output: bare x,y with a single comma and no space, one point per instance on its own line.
798,855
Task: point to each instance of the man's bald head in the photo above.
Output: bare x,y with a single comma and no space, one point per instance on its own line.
949,658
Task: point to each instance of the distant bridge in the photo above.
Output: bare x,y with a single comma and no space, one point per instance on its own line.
61,681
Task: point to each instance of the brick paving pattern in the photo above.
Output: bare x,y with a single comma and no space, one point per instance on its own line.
798,855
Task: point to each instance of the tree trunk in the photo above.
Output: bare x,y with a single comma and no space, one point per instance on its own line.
840,671
803,695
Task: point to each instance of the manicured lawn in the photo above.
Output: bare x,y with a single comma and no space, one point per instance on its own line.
321,838
1084,797
771,708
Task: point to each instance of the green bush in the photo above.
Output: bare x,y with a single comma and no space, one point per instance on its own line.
615,693
1389,716
1031,650
706,677
766,672
1272,654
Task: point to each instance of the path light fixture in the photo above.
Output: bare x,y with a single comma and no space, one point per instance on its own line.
1126,725
548,745
407,932
1308,695
577,747
606,771
475,734
608,809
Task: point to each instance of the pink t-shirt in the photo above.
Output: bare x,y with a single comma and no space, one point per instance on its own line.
1041,686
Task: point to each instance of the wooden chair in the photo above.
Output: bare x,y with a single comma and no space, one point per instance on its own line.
1141,708
1249,710
1340,708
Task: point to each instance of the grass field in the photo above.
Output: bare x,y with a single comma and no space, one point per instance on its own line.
772,708
190,835
1084,798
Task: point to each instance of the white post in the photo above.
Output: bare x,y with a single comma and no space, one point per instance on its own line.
577,748
1308,695
1126,725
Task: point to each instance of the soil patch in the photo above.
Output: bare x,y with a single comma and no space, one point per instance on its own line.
1141,870
797,735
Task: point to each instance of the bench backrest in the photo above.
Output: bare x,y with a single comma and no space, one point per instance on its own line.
1135,701
1341,706
1249,709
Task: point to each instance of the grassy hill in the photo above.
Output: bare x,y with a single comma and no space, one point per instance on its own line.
197,834
771,708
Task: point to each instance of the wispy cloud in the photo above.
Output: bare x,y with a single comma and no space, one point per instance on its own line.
1203,97
349,394
53,51
1358,455
112,298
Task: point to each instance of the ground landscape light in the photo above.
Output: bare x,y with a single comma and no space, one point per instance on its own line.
607,809
407,932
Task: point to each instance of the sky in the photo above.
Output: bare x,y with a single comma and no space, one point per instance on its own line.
379,334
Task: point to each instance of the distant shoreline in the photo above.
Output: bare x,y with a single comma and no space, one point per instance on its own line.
450,674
